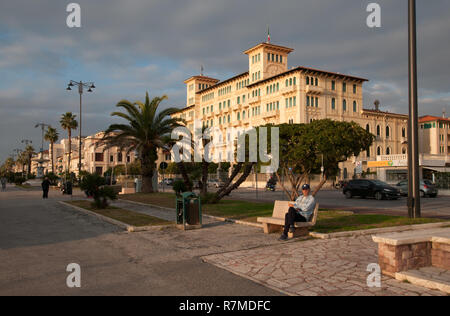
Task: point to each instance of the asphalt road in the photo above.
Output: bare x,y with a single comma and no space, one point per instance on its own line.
334,199
38,239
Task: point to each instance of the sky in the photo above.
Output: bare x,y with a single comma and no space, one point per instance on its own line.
130,47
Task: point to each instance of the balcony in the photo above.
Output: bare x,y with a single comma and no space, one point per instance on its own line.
253,100
289,89
313,90
270,114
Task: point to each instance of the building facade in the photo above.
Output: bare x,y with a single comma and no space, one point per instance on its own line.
272,93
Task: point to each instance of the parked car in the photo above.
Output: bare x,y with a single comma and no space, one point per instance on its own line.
370,188
427,188
214,183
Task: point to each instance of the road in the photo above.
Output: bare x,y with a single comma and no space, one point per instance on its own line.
334,199
38,239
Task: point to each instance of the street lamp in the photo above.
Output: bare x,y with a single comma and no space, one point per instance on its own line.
28,142
413,123
43,126
81,86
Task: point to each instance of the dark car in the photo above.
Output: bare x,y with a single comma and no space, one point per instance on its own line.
370,188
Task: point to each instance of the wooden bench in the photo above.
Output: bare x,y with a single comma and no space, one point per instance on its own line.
276,222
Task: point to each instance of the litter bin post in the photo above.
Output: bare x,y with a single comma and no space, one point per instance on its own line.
189,211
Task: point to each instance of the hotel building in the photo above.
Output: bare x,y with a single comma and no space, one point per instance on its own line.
271,92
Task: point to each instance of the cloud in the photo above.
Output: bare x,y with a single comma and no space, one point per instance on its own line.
129,47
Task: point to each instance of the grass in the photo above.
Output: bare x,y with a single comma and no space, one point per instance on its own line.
121,215
328,221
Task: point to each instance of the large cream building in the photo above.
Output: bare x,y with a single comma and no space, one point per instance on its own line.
271,92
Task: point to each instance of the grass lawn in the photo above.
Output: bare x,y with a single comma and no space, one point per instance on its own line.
125,216
328,221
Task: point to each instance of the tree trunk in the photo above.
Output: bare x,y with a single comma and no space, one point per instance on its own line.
228,189
70,151
236,168
316,190
148,169
53,162
204,188
182,169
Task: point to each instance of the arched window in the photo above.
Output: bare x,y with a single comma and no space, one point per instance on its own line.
388,151
368,128
379,151
388,131
403,132
378,130
403,151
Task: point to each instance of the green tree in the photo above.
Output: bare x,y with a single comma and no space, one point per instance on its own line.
302,147
146,131
52,136
28,154
68,122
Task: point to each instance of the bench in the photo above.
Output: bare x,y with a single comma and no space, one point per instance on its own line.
276,222
398,252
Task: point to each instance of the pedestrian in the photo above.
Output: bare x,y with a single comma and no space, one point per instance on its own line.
3,181
45,188
300,211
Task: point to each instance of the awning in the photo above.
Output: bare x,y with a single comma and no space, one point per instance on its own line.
438,169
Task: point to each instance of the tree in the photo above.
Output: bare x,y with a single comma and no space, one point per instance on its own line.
69,123
302,147
52,136
28,154
145,131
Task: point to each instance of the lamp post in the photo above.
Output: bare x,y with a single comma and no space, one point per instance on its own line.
413,123
81,85
28,142
43,126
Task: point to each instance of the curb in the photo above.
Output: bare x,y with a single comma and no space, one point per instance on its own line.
378,230
128,228
221,219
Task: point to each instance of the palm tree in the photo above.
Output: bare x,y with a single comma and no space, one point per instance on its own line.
145,132
29,152
52,136
68,122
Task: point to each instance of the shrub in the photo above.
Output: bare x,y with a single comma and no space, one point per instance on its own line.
94,186
179,187
19,180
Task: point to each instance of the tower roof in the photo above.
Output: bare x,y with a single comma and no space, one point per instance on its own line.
279,48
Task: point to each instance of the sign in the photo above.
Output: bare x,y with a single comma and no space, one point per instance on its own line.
387,163
359,168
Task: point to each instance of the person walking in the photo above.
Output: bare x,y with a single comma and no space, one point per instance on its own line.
3,181
45,188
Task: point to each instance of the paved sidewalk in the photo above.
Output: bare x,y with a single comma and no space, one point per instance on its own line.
315,268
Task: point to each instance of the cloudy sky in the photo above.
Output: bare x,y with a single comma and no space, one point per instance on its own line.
133,46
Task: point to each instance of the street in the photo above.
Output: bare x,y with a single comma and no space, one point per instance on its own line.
38,239
334,199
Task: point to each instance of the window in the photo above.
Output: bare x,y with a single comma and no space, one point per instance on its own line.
111,158
368,128
388,151
344,87
317,102
379,151
307,101
344,105
99,157
333,104
354,106
388,132
295,101
307,81
119,157
281,59
378,131
317,82
354,88
333,85
129,158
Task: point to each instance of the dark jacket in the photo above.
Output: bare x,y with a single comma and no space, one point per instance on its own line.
45,185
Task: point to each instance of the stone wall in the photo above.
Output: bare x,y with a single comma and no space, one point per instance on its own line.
440,255
394,259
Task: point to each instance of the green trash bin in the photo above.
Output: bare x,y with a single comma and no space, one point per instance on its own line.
189,211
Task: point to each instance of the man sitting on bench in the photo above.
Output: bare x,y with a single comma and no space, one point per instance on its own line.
300,211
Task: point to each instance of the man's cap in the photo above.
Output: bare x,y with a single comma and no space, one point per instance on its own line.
306,187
